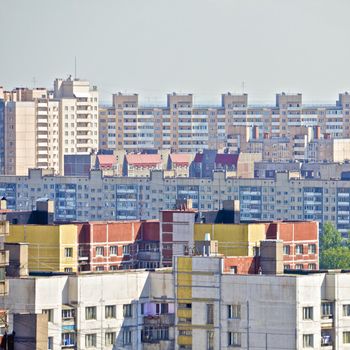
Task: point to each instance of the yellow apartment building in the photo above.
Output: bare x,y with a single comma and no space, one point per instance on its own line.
51,247
233,239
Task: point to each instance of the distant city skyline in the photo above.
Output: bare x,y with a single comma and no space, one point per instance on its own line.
202,47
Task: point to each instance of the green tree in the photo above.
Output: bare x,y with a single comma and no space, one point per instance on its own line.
335,258
330,238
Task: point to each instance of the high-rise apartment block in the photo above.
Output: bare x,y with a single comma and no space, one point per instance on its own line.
39,126
182,126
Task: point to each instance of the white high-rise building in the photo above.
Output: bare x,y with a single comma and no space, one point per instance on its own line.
40,127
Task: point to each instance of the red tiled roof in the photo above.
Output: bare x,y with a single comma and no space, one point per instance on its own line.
180,158
106,160
226,159
143,159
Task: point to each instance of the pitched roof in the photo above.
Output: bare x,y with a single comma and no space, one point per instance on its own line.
226,159
198,158
180,158
143,159
106,160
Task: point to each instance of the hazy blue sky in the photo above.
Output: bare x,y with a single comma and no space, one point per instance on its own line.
202,46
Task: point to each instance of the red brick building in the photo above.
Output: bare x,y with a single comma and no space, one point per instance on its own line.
118,245
300,243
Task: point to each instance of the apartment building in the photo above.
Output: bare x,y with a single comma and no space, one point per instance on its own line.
92,311
50,247
109,246
197,305
41,126
239,243
99,198
182,126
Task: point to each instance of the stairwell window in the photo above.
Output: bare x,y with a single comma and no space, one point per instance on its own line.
210,313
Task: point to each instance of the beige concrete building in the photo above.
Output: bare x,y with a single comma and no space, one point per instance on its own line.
182,126
41,126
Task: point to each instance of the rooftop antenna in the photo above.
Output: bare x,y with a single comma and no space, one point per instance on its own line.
243,85
75,67
34,82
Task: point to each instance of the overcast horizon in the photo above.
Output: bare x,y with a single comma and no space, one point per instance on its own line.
204,47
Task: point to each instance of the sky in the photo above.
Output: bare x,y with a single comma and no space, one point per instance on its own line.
204,47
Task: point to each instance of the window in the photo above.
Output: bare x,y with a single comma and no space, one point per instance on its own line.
90,340
68,269
185,332
126,250
164,308
68,252
49,313
68,339
50,343
127,310
142,308
234,311
110,311
126,336
90,313
346,310
110,338
312,266
210,340
100,251
286,250
234,339
327,310
299,249
346,337
113,250
308,340
299,266
312,248
210,313
308,312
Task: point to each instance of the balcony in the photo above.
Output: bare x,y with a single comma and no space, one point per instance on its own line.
327,322
161,319
148,255
161,344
